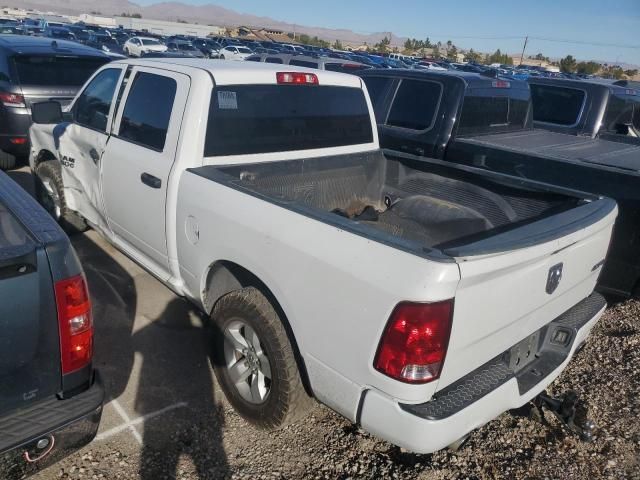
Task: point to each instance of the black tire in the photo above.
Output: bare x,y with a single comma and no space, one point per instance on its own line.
287,399
7,161
50,194
221,57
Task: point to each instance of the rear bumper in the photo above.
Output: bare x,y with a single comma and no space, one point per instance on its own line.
67,424
483,394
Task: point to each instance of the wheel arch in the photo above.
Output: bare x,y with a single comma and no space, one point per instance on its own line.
43,156
224,277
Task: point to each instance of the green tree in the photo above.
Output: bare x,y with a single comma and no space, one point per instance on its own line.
568,64
472,56
427,43
588,68
337,45
130,15
631,73
383,45
452,53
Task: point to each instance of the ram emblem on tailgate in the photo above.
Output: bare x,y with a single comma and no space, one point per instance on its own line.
554,277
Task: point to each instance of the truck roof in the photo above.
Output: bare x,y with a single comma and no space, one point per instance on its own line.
471,80
621,88
46,46
227,72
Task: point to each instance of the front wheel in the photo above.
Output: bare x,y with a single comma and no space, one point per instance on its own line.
254,361
50,194
221,57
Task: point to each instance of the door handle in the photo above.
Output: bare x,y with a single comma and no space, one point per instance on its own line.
95,156
150,180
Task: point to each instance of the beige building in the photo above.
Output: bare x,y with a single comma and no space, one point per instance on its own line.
163,27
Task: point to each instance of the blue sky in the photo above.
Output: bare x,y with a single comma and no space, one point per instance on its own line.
614,22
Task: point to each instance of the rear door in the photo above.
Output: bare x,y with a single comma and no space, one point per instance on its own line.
82,142
139,157
29,345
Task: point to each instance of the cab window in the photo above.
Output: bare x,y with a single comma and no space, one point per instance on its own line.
92,106
147,111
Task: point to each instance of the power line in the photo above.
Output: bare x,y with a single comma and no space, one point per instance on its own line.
579,42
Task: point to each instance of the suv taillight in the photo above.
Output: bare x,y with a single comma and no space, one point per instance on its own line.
75,324
11,99
415,341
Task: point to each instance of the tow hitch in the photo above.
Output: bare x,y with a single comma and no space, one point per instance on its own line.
570,410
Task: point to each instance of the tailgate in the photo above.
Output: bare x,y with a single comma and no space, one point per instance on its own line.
505,297
29,338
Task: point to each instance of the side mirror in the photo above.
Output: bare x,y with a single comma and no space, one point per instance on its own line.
46,112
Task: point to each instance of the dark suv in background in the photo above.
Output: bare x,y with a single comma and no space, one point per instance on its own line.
36,69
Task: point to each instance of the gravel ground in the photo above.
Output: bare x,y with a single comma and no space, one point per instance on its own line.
606,373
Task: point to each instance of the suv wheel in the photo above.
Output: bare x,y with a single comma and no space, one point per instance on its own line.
254,361
50,194
7,161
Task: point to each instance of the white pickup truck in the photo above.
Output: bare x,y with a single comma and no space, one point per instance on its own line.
416,298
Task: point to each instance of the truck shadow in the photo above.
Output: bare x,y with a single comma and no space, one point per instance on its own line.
149,347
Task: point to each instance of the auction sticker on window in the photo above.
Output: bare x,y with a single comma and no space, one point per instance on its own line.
227,100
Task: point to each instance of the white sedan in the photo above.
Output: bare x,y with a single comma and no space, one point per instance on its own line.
233,52
138,46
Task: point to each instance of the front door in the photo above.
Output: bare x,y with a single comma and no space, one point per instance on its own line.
138,160
82,142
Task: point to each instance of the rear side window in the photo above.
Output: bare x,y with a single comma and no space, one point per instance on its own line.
302,63
92,106
245,119
415,105
377,87
559,105
273,60
40,70
146,115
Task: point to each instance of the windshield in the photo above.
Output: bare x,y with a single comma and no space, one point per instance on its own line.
55,71
244,50
245,119
147,41
185,46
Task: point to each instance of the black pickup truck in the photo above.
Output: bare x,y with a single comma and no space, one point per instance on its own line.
610,110
50,396
486,121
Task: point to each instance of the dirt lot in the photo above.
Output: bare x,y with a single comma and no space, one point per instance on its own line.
165,417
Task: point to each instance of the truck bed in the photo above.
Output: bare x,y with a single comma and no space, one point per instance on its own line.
596,151
428,207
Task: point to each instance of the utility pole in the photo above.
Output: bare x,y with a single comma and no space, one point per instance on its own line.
526,39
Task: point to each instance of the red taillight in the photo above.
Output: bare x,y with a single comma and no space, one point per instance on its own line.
414,343
11,99
74,322
501,84
297,78
18,140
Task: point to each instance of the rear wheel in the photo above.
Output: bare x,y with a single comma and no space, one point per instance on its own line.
7,161
221,57
254,361
50,194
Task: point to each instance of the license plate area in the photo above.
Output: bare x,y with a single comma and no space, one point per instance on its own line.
524,352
